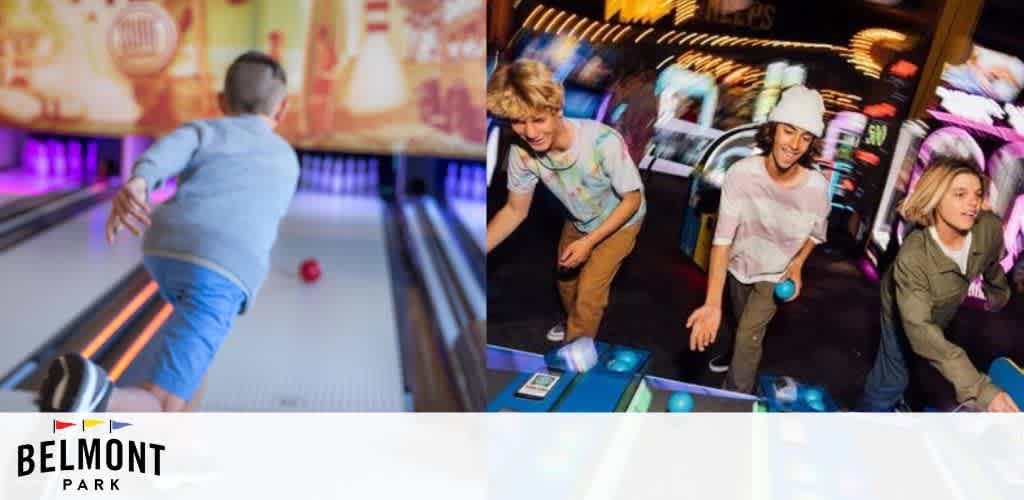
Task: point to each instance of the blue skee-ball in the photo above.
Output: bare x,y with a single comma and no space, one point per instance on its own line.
617,365
680,402
628,357
814,398
785,289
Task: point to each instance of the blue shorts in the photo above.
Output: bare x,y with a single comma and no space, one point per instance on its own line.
205,305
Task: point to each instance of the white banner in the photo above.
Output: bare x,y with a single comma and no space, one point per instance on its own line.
513,456
228,456
756,456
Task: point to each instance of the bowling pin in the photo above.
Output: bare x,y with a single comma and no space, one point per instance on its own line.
325,175
35,157
304,172
359,166
451,180
339,181
361,178
91,158
74,158
378,81
465,182
314,165
373,178
56,157
479,183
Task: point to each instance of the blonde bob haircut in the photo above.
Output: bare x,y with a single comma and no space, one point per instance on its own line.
919,207
523,89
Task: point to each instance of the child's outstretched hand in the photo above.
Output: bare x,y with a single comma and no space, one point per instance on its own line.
704,323
129,203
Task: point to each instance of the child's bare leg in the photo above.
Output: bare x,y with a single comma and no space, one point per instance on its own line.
149,398
193,405
133,399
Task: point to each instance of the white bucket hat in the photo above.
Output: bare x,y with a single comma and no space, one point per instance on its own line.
800,107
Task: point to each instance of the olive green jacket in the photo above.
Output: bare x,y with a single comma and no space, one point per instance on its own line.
923,289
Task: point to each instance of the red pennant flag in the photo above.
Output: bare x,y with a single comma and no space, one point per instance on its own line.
62,425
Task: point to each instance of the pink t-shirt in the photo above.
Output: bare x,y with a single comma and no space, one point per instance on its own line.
767,224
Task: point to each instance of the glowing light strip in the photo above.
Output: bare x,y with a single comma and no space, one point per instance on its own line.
582,22
533,13
621,33
642,35
140,342
609,33
565,23
598,33
554,20
119,320
587,31
689,9
542,18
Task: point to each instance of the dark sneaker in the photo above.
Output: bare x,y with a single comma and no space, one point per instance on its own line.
557,333
902,407
75,385
719,363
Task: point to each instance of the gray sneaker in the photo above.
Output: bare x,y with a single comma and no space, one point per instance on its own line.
719,363
557,332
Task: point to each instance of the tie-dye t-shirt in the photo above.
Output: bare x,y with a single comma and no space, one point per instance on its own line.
766,224
589,178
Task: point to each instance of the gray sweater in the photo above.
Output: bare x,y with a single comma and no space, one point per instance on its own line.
236,179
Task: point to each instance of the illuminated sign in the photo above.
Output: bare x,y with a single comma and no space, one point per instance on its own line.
876,134
880,110
758,16
639,11
903,69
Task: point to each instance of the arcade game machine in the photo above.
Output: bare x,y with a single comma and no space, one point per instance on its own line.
589,376
975,114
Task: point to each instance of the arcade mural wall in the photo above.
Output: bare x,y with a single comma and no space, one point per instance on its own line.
363,75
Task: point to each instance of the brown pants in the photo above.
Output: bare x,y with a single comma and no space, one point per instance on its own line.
585,294
753,307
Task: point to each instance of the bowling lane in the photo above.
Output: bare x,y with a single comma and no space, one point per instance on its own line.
327,346
18,183
58,274
473,215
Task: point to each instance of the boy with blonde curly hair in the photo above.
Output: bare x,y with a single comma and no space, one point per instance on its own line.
586,165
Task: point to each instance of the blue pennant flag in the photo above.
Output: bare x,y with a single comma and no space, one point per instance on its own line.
115,425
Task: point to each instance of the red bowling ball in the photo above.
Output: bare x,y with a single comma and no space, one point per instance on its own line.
310,270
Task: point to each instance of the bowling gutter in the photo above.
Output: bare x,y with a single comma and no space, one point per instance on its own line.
112,331
451,331
24,224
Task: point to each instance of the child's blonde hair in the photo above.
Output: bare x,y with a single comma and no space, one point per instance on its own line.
919,207
523,89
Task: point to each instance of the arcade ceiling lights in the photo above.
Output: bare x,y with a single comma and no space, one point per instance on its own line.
551,20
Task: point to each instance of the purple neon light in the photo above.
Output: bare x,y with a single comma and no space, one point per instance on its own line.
603,108
869,269
1005,133
91,157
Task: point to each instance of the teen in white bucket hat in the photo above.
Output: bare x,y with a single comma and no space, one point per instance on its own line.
771,215
801,107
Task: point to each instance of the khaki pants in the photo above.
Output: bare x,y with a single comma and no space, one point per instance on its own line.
585,294
753,307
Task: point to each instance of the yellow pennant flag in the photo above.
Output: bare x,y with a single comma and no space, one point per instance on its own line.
88,424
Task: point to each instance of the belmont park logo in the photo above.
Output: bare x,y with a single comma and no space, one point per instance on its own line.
90,452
